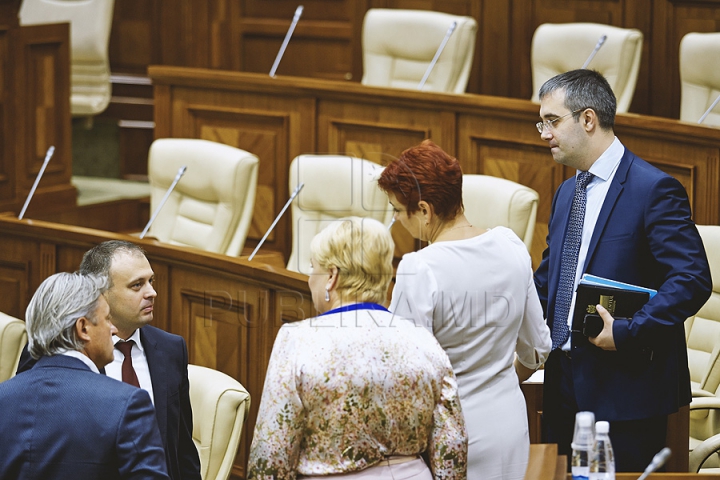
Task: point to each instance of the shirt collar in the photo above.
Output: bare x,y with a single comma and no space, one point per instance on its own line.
134,337
606,164
82,357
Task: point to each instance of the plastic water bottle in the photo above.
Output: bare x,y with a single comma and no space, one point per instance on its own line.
582,445
602,464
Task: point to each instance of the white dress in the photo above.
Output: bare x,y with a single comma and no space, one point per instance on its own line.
478,297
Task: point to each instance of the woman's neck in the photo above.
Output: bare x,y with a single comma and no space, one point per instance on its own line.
455,229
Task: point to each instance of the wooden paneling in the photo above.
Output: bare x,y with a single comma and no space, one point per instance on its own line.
490,135
245,35
228,310
35,114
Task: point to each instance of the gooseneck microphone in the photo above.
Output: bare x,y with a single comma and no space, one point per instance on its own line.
281,52
48,156
180,173
707,112
599,44
440,49
287,204
658,461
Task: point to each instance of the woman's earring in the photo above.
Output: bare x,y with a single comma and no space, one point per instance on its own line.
327,295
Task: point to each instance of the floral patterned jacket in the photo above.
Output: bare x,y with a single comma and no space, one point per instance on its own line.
345,390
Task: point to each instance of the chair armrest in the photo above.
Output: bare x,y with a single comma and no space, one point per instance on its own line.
705,403
702,452
699,392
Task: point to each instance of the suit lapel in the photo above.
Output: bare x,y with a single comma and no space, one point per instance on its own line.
616,188
156,365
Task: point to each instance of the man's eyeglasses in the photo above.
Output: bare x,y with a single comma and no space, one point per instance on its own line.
550,124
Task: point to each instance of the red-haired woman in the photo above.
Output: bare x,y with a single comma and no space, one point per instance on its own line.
473,288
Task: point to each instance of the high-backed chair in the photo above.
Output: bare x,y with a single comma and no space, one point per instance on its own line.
336,186
13,337
706,453
212,205
558,48
220,405
703,343
90,23
699,77
398,46
492,201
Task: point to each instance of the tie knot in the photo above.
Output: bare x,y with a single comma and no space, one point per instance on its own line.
125,347
582,180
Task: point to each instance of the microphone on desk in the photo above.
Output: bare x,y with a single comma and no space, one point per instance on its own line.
707,112
658,461
287,204
180,173
48,156
440,49
599,44
281,52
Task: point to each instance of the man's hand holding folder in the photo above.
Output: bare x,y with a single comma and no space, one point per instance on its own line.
599,301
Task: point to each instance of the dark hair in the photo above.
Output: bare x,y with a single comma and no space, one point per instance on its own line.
585,89
425,172
98,260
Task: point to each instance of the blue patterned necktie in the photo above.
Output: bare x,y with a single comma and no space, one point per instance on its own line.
568,262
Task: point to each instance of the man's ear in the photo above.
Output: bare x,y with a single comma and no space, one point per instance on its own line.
81,328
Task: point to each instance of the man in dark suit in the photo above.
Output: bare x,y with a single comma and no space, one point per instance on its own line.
159,359
627,221
62,419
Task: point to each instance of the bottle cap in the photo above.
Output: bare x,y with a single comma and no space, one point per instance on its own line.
584,431
602,427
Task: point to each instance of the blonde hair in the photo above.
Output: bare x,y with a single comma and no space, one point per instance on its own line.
362,250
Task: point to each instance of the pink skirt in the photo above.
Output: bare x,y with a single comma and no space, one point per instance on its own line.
414,469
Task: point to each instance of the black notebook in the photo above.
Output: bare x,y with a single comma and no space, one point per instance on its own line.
620,302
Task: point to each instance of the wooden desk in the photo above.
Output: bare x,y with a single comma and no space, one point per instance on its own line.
282,117
228,309
546,464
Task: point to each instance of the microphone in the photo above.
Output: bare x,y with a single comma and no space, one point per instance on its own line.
440,49
296,17
287,204
658,461
707,112
180,173
48,156
599,44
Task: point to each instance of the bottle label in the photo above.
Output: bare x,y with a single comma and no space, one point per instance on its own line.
580,477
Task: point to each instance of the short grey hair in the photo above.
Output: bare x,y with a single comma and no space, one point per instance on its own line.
57,305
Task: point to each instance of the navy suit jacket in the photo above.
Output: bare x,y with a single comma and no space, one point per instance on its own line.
167,360
60,420
645,236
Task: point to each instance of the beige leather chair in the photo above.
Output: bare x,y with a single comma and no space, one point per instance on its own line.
398,46
90,23
561,47
703,343
706,453
492,201
212,205
699,77
336,186
220,405
13,338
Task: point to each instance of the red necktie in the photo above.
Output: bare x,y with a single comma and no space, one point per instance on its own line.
128,372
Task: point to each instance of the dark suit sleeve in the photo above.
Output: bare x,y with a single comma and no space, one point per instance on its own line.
188,454
141,454
541,275
678,262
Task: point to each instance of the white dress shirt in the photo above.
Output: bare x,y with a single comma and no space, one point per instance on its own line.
82,357
139,361
603,171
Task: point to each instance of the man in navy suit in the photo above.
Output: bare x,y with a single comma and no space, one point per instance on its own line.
62,419
159,359
637,229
